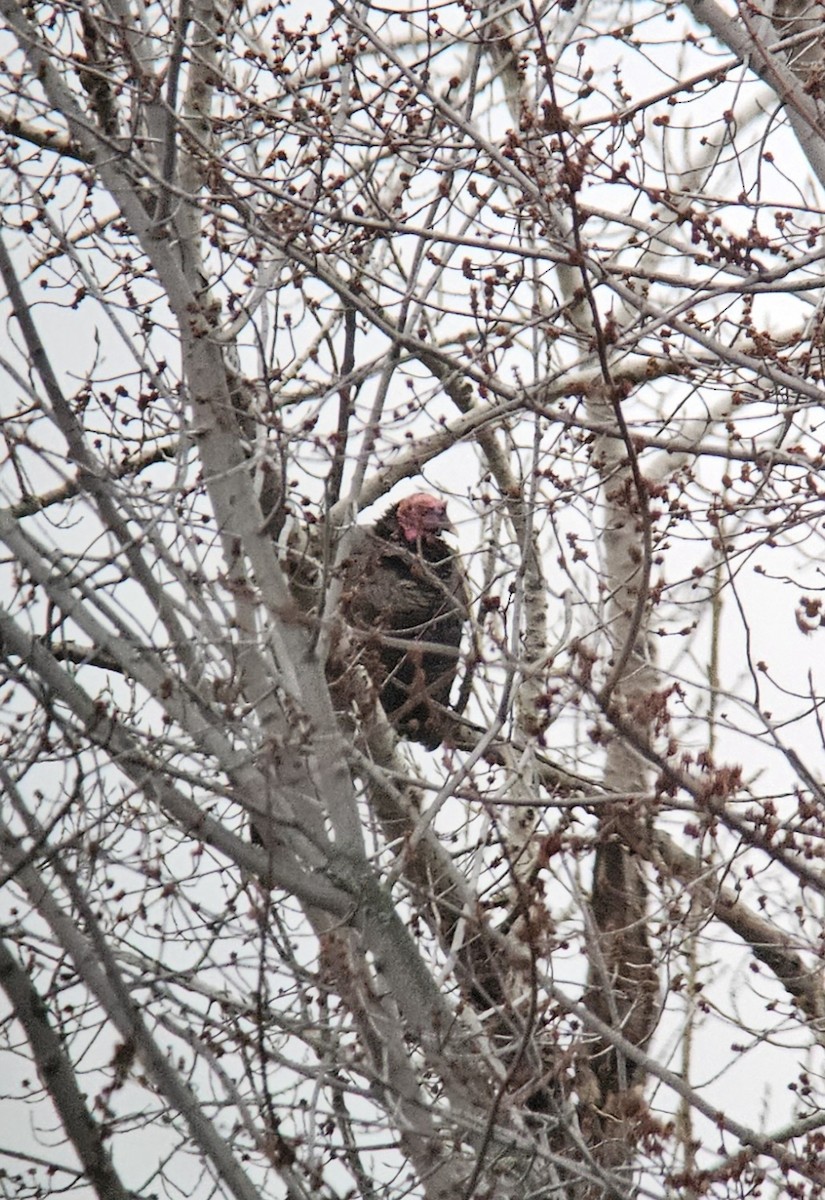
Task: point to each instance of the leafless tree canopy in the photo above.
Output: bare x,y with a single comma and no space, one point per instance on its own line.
266,271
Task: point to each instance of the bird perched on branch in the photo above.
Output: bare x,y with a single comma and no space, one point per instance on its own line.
405,596
623,984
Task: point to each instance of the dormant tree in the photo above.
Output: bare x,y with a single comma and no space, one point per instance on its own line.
559,266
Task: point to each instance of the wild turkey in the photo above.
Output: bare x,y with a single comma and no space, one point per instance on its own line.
623,984
402,584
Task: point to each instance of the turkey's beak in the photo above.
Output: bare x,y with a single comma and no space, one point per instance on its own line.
435,520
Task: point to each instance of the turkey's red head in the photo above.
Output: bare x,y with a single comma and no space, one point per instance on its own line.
422,516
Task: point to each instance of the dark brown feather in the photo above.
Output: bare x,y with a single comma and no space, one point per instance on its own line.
395,588
623,985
